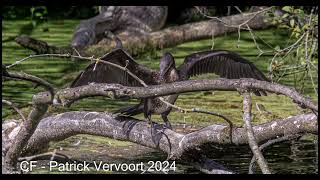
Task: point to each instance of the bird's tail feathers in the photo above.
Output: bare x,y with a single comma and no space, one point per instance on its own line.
131,110
260,93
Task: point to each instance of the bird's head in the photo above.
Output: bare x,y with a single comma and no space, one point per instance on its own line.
166,64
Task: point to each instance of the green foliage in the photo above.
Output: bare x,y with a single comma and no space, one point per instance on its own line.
301,57
39,14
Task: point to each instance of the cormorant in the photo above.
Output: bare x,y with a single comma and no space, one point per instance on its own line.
224,63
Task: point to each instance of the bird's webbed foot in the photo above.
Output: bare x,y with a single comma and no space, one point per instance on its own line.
155,129
148,118
167,123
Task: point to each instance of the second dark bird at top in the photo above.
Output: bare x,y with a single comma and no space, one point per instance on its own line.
224,63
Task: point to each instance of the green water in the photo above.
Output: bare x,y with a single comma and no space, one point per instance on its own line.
292,157
61,72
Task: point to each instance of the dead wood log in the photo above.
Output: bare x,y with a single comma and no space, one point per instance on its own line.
137,20
167,37
62,126
69,95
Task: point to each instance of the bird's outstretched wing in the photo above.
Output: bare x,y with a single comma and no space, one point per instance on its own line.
105,73
224,63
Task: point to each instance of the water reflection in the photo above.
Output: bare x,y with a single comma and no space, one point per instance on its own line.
298,157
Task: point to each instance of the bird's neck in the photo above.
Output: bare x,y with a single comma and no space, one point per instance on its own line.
172,75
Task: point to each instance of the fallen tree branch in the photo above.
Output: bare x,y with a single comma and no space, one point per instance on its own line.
26,131
39,46
61,126
69,95
15,108
170,36
247,106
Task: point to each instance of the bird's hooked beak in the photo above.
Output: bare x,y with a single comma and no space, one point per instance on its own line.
166,62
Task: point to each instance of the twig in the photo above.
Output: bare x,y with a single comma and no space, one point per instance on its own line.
294,45
197,110
32,78
269,143
254,14
96,63
212,46
76,51
254,40
308,57
15,108
247,105
47,155
219,115
211,17
249,29
239,34
239,26
53,154
235,26
315,44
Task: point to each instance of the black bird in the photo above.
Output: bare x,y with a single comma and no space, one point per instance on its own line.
227,64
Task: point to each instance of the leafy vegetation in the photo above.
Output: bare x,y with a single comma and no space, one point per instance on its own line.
300,58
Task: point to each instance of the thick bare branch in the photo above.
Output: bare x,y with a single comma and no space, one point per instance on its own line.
247,106
40,47
26,131
61,126
66,96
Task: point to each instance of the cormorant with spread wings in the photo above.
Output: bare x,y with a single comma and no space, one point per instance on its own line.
224,63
